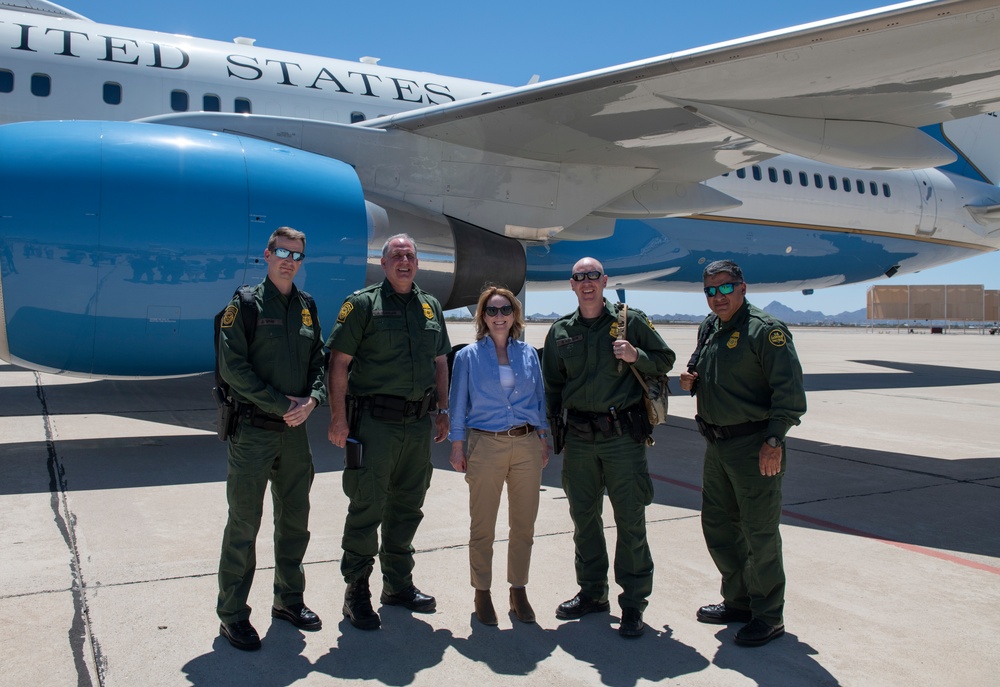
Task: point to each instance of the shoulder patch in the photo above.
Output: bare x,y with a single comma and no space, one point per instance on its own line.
776,337
229,316
428,311
345,310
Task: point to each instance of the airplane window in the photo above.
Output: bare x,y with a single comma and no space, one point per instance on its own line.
818,180
741,172
41,85
6,81
772,174
833,182
178,101
357,117
211,103
847,185
787,176
874,187
885,190
803,179
241,106
112,93
756,172
861,185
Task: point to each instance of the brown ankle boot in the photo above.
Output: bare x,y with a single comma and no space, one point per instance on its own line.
485,612
520,606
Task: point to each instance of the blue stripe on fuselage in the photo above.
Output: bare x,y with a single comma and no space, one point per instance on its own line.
785,258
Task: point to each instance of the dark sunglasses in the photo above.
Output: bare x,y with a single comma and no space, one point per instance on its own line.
591,275
284,253
492,310
724,289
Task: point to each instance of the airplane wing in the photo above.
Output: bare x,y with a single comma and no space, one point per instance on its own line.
850,91
571,155
45,7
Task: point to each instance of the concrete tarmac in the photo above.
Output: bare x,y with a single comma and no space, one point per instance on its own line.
113,502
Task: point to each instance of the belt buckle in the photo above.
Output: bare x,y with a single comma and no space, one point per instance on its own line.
512,429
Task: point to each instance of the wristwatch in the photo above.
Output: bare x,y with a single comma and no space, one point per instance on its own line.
773,442
442,411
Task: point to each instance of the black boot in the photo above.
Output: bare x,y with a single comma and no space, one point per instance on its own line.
358,606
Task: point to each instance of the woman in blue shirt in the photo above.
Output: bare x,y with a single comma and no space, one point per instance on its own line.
497,403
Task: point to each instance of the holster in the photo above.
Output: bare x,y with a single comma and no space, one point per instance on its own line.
225,415
558,426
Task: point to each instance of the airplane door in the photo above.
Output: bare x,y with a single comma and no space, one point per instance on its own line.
927,224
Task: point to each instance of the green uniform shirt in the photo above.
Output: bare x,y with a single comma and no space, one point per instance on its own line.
580,368
749,371
285,357
393,338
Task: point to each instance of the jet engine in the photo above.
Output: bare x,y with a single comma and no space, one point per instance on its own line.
120,241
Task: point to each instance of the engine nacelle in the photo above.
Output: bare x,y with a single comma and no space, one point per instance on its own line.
120,241
123,240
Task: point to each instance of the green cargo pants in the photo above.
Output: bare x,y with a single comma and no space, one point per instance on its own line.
619,465
740,513
256,456
388,491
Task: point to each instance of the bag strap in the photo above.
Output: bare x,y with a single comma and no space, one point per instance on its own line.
622,327
706,332
645,389
248,311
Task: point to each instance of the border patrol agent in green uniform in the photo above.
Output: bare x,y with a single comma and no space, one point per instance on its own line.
749,386
605,442
393,336
277,382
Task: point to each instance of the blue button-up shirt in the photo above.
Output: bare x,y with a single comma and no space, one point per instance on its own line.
477,401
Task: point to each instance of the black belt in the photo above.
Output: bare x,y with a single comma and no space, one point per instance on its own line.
395,408
261,420
588,425
519,431
721,432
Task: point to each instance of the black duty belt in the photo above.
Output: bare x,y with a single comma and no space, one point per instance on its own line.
512,432
258,418
395,408
615,423
722,432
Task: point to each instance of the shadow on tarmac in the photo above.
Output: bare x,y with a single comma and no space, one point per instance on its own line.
921,501
406,646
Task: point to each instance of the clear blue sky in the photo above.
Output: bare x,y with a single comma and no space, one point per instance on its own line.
507,43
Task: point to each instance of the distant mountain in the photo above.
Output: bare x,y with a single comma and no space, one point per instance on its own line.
782,312
789,316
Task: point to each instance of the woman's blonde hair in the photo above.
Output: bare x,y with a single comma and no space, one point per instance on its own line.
516,328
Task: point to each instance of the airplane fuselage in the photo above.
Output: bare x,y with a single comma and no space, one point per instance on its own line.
68,69
797,223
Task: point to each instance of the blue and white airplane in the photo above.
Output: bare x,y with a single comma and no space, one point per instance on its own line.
141,172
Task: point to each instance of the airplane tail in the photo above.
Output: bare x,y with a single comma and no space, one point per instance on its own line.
976,141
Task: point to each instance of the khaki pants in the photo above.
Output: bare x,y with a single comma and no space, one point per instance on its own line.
493,461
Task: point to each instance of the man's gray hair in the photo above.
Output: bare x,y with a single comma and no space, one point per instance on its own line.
385,246
727,266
